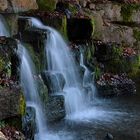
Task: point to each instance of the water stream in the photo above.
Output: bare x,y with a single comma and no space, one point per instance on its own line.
119,116
27,74
3,27
88,80
60,60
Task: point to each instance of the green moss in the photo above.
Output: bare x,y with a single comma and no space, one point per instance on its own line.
63,28
2,64
49,5
73,9
36,57
22,105
97,73
93,25
136,34
59,24
127,11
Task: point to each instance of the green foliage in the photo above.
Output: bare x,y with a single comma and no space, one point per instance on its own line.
48,5
116,52
2,124
97,73
136,34
2,64
22,105
127,11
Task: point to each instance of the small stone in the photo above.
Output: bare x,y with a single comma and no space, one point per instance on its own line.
92,6
109,137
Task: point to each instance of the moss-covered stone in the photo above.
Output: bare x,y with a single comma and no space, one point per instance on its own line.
58,23
127,11
136,34
22,105
49,5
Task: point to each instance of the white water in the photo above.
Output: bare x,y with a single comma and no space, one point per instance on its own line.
30,87
88,79
59,59
3,27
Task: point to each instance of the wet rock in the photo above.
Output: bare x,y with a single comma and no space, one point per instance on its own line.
109,137
29,124
54,81
55,109
11,102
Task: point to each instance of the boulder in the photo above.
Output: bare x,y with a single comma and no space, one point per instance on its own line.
54,81
109,137
11,102
55,109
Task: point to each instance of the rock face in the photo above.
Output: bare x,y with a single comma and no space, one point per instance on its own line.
54,81
11,103
116,22
10,6
55,109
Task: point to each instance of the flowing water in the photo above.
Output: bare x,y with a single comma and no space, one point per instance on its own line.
3,27
30,87
27,74
119,116
88,79
60,60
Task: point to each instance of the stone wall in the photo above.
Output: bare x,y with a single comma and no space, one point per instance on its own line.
115,22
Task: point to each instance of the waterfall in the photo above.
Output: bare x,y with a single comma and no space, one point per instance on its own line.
30,87
60,60
88,79
3,27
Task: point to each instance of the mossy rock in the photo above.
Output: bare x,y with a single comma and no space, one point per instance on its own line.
58,23
129,65
22,106
127,11
48,5
2,64
136,34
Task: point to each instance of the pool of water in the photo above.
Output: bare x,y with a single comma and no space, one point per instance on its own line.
119,116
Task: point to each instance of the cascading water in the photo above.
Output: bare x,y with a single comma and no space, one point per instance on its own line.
28,82
31,90
3,27
59,60
87,79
